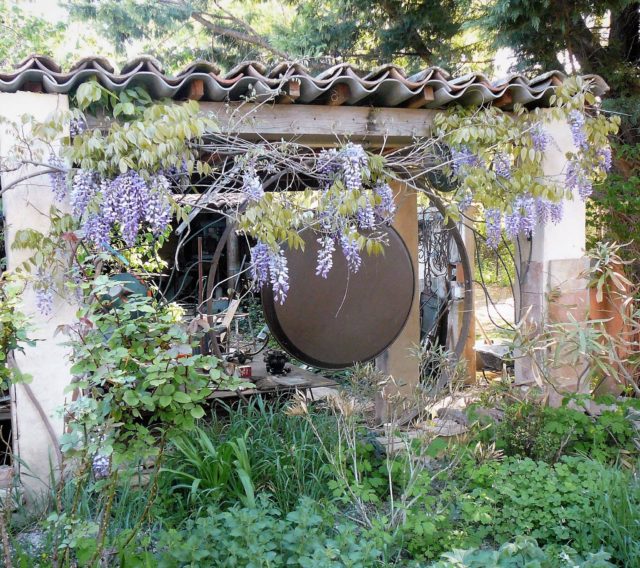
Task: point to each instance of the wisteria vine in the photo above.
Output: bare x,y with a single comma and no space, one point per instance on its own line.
496,160
353,203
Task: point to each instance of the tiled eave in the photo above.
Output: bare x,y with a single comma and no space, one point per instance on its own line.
291,83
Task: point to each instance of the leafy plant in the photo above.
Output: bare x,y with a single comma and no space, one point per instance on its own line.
522,552
263,536
554,504
14,327
136,368
530,429
280,456
208,471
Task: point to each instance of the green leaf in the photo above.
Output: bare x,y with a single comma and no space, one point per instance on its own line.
181,397
197,412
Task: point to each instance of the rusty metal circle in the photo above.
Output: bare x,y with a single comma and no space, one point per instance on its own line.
348,317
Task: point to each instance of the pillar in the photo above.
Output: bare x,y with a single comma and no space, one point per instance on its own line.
26,206
398,360
553,288
457,310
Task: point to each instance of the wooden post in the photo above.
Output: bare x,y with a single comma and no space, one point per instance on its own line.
457,311
397,360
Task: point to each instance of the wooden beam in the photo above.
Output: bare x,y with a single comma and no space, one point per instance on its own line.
505,100
290,93
339,94
422,98
322,125
196,90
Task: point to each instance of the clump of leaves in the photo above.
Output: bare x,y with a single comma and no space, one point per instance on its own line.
530,429
136,371
263,536
523,551
14,327
554,504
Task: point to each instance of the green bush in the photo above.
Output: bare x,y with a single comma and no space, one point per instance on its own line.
523,552
265,537
576,502
544,433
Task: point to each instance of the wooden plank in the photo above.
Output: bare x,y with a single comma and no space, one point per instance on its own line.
422,98
291,92
196,90
339,94
297,379
322,125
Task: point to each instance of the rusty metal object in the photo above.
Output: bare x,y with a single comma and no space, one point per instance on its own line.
346,318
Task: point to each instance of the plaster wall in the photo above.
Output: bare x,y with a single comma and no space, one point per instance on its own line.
553,289
27,206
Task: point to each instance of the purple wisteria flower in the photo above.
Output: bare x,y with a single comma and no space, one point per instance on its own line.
576,122
260,255
279,276
97,230
493,218
366,217
76,127
351,252
83,189
556,211
463,158
269,266
387,207
539,137
101,466
522,218
353,160
58,179
465,202
604,158
252,186
43,291
502,165
158,212
547,210
328,161
325,256
132,194
542,210
577,180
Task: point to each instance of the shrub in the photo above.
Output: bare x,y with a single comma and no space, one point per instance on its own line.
577,502
524,551
264,536
544,433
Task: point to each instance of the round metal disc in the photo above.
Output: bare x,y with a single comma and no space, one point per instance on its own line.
348,317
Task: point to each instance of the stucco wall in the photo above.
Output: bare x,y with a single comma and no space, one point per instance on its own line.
27,206
553,289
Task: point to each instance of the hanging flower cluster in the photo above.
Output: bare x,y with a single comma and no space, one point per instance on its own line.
496,160
119,207
353,202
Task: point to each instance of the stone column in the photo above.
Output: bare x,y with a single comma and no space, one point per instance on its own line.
27,206
397,360
553,288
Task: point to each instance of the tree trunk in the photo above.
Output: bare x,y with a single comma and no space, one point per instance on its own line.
624,34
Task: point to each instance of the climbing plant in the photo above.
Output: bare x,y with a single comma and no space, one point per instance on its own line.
497,159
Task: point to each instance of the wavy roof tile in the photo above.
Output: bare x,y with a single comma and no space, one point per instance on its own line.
386,86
